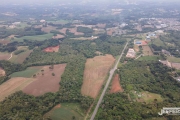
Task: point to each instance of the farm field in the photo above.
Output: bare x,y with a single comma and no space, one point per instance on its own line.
4,56
147,51
36,37
13,85
65,111
59,21
58,36
74,30
147,97
28,73
63,31
20,58
5,42
48,29
46,81
96,70
173,59
115,86
52,49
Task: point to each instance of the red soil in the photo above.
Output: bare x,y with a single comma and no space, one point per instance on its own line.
52,49
116,87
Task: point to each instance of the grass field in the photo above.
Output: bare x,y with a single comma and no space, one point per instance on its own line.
145,96
149,97
59,21
158,42
20,57
66,111
29,72
173,59
149,58
13,85
96,70
36,37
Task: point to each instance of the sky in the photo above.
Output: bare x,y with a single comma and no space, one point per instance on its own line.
64,1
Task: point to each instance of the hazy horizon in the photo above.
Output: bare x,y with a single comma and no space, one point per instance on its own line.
70,1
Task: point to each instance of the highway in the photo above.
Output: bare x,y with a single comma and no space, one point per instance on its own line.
107,83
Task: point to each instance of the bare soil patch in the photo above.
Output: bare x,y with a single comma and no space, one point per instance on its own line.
2,72
63,30
13,85
4,42
48,29
116,87
52,49
136,48
58,36
101,25
74,30
96,70
4,56
147,51
110,31
46,82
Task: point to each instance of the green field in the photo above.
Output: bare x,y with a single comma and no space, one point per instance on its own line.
23,25
36,37
158,42
146,96
58,21
66,111
173,59
149,58
29,72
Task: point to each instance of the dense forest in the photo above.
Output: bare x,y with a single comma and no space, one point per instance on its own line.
141,76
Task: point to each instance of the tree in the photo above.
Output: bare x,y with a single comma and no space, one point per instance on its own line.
53,74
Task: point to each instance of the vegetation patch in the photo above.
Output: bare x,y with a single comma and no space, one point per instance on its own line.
47,80
96,70
35,37
65,111
149,58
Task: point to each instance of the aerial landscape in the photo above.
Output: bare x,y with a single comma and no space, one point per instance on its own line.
89,60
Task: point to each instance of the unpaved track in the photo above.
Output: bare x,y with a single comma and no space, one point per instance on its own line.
107,84
10,56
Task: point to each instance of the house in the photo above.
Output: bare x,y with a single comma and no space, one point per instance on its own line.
42,21
131,53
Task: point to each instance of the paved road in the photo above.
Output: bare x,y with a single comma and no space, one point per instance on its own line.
107,84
